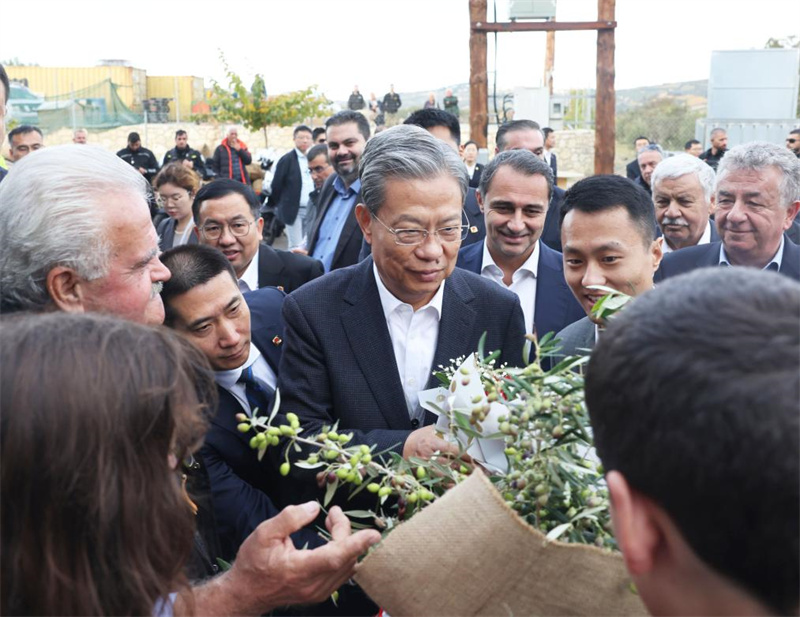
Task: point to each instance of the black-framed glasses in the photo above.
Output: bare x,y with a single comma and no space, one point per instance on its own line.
212,231
412,237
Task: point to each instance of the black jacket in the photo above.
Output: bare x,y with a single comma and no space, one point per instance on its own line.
221,162
198,164
391,102
143,158
355,102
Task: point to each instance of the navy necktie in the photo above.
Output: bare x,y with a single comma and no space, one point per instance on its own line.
258,394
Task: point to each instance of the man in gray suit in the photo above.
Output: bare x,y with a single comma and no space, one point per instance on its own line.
607,230
362,341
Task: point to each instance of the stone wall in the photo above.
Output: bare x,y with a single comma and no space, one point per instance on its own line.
161,137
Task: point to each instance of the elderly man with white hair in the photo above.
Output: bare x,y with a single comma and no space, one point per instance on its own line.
683,195
231,157
757,200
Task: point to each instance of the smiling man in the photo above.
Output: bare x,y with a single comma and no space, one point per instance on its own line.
607,230
335,237
227,214
361,342
757,200
513,196
683,194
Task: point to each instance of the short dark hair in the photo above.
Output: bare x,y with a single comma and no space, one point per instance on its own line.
5,82
180,133
432,117
191,265
794,132
23,129
606,192
315,151
346,116
690,143
133,137
302,129
317,132
546,131
522,161
510,127
693,398
221,188
474,143
641,137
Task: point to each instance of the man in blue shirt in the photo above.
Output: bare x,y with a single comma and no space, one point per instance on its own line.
335,237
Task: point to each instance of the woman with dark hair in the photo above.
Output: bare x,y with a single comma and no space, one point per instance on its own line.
176,185
96,414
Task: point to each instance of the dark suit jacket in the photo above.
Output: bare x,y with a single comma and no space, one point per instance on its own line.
707,255
349,245
554,165
632,169
475,180
551,233
556,307
166,234
576,338
338,362
243,489
287,184
285,269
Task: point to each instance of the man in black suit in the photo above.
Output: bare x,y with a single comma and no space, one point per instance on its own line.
335,237
549,156
291,186
683,195
228,216
632,169
514,196
362,342
757,199
609,234
526,135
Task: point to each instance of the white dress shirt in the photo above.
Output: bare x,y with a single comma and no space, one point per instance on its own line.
523,281
704,239
262,372
249,280
414,335
305,176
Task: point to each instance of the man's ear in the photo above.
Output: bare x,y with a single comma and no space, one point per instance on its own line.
712,204
791,214
636,529
479,199
657,252
260,228
66,289
364,219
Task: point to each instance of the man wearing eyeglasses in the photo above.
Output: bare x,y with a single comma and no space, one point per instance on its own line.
793,142
361,342
227,215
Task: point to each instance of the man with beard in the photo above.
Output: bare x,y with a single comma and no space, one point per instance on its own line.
719,146
335,237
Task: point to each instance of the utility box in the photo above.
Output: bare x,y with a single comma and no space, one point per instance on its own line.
753,84
532,104
531,9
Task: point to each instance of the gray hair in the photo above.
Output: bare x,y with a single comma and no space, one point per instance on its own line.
758,155
522,161
49,206
406,152
682,165
651,148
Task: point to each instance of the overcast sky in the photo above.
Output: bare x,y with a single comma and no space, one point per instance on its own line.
415,44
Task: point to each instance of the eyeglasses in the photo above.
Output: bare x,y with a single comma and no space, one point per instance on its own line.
213,231
412,237
791,141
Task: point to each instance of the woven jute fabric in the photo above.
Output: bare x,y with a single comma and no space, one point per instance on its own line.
470,554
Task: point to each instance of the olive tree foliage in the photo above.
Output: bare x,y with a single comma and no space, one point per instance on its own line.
256,110
666,121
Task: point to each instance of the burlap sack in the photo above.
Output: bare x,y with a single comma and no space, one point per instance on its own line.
470,554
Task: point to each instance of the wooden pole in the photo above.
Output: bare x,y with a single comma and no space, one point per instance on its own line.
549,60
478,81
605,120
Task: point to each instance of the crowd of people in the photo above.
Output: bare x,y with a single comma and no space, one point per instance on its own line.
129,348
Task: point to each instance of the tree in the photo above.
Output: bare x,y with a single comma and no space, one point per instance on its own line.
256,110
666,121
